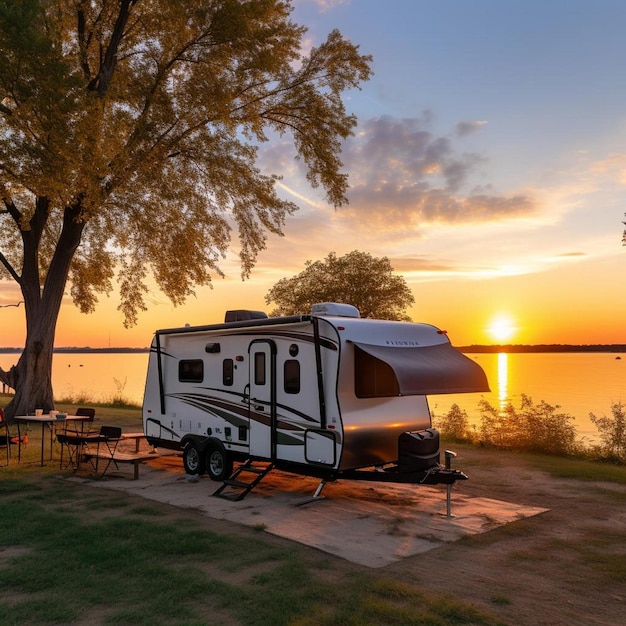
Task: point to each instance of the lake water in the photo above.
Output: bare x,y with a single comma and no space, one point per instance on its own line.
579,383
99,376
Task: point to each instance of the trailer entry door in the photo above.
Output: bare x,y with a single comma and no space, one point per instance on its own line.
262,399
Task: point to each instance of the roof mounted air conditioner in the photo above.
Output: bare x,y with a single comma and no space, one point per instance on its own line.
335,309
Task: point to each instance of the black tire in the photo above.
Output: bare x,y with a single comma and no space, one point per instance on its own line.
218,463
193,459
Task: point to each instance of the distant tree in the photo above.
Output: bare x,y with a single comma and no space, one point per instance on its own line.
356,278
128,145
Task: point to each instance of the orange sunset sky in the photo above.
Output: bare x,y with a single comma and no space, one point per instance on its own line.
489,165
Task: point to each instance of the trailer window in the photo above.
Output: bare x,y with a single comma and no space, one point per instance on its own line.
373,378
228,372
191,371
259,368
292,376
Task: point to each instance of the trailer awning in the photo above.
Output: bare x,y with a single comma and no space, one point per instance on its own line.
430,369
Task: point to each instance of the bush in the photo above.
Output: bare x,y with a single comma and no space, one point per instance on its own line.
532,428
454,426
612,433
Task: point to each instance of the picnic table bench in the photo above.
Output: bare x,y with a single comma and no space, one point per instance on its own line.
135,458
122,456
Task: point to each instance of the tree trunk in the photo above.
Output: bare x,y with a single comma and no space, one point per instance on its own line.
32,379
32,376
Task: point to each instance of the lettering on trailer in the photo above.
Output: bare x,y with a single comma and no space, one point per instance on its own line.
404,342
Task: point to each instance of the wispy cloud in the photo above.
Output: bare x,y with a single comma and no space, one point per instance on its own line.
326,5
416,190
613,166
463,129
404,175
406,182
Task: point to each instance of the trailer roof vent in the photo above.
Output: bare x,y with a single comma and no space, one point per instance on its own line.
242,315
336,309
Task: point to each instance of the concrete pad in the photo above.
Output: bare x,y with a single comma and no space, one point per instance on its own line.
372,524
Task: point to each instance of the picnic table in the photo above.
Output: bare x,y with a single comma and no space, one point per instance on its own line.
45,420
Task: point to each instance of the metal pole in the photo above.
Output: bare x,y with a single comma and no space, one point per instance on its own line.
449,456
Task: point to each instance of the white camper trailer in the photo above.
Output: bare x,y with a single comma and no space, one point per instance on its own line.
328,394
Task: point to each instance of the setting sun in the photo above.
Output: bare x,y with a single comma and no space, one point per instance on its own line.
501,328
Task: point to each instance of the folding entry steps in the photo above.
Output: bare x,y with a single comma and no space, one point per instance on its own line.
239,488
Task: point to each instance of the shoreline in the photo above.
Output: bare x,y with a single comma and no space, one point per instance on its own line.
543,348
83,350
476,349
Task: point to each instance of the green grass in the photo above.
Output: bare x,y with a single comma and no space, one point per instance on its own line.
600,549
70,553
580,469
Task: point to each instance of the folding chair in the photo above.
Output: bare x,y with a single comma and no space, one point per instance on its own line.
73,439
107,442
74,442
89,413
7,439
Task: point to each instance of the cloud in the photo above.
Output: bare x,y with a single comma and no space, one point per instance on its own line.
613,166
420,264
403,175
327,5
571,254
463,129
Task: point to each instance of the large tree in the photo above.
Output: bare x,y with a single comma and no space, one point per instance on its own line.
129,132
357,278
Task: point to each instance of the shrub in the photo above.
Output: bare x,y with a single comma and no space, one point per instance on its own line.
454,426
532,427
612,433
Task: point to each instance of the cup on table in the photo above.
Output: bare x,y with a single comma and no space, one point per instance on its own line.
53,414
38,412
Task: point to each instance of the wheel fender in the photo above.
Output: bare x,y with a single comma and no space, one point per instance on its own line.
215,443
200,442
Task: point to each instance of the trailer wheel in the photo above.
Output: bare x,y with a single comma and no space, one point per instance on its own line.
193,459
219,465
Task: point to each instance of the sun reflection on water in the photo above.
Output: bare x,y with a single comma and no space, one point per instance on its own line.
503,379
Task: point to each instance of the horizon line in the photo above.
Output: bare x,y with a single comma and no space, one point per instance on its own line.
510,347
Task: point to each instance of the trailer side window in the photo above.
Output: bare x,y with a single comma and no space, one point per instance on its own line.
191,371
292,376
373,378
228,372
259,368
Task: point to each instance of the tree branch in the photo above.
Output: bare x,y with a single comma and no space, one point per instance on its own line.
12,210
101,82
83,43
9,268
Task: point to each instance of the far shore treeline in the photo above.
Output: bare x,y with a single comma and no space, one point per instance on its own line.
556,347
82,350
511,348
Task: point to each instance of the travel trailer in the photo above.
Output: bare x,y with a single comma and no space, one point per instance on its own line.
329,394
